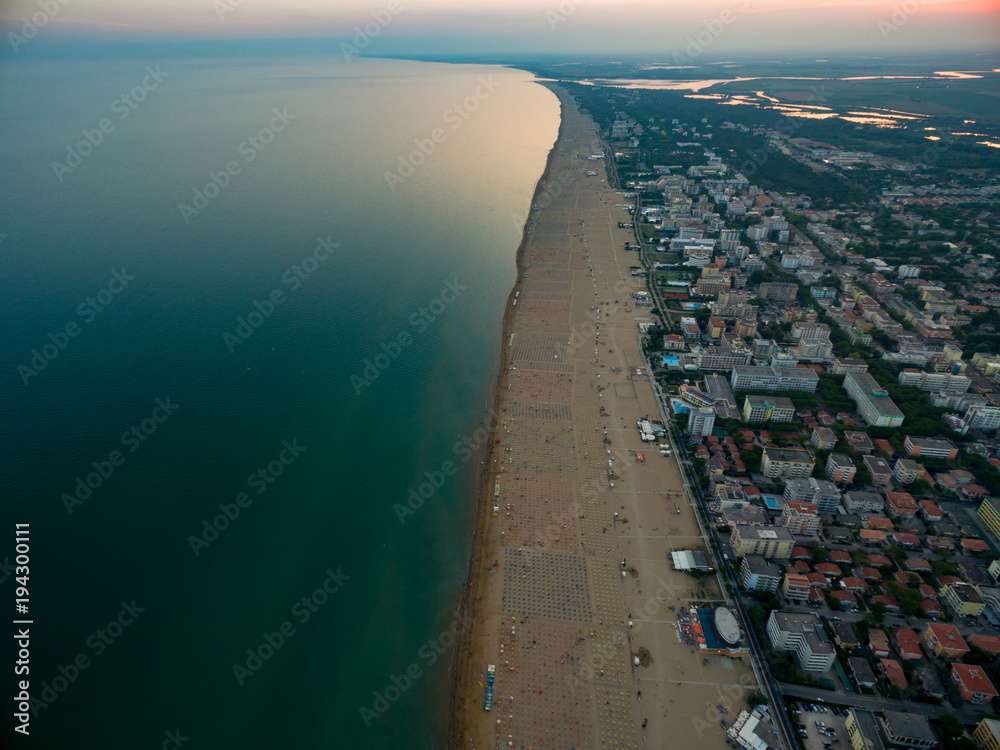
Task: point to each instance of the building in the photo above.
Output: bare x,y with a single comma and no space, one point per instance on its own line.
987,735
907,471
934,382
701,421
773,542
844,365
972,683
878,643
945,640
862,729
840,469
778,291
908,645
771,378
874,404
822,493
989,512
893,671
985,418
964,598
795,587
879,470
801,518
906,731
800,634
862,672
787,463
929,447
859,442
823,438
901,504
759,575
864,502
751,731
692,560
768,409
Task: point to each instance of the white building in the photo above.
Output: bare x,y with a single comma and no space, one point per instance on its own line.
799,633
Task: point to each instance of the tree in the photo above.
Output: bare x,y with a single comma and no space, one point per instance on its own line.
876,615
920,486
952,732
756,699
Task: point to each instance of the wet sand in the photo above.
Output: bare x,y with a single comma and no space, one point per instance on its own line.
547,598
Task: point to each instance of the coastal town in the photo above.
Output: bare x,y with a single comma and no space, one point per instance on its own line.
800,407
833,377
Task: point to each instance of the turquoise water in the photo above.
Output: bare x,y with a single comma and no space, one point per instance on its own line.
305,349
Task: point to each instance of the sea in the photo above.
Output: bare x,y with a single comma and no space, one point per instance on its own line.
251,331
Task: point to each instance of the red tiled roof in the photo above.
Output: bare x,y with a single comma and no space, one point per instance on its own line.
974,679
988,643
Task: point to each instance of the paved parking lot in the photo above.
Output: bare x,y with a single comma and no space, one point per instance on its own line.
814,739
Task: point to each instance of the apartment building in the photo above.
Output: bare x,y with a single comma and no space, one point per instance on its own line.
771,378
759,575
760,409
800,518
873,402
840,469
965,598
907,471
822,493
799,634
935,382
787,463
774,542
929,447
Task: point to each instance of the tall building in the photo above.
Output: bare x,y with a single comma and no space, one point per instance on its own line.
934,382
767,541
701,421
768,409
771,378
787,463
989,512
874,404
759,575
840,469
929,447
799,633
801,518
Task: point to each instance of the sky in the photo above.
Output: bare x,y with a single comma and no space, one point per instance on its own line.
531,27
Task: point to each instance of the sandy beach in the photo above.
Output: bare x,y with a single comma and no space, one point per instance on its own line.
549,597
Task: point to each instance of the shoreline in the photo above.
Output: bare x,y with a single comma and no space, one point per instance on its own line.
459,665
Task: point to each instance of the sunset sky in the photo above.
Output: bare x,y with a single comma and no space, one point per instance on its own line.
597,27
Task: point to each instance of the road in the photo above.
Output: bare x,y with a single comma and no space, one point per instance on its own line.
875,702
771,689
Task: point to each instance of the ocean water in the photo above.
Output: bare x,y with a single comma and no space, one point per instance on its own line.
249,305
